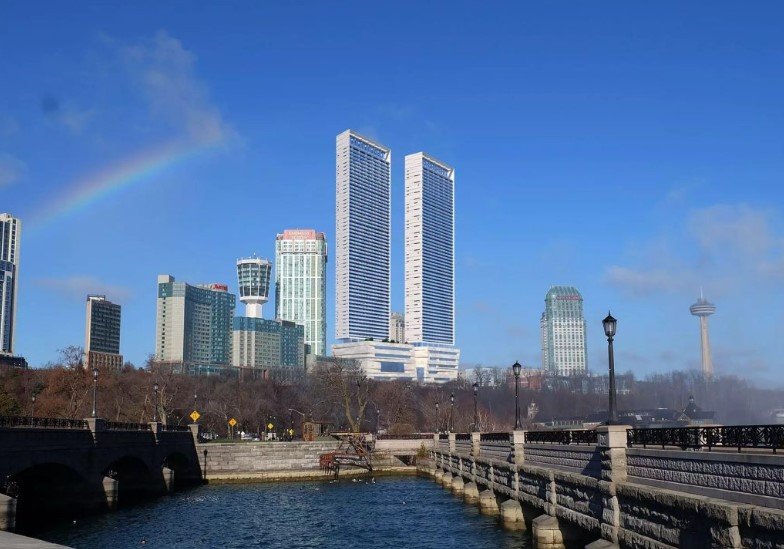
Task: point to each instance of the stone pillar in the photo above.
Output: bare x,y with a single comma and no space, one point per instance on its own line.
96,425
452,443
168,479
476,444
547,533
111,489
512,515
155,427
612,444
458,485
517,455
438,476
446,481
602,544
470,492
194,427
7,513
487,503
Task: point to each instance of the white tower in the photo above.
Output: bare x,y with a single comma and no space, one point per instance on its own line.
704,309
253,279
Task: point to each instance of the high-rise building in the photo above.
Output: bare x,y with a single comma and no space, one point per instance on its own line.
563,332
102,334
430,265
193,326
362,248
397,328
253,279
10,238
703,309
301,284
271,348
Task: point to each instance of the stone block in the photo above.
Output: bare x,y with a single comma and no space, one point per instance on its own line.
7,513
487,503
512,515
458,485
602,544
470,492
546,532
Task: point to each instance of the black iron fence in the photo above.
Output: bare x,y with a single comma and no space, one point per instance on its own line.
125,426
411,436
494,437
443,436
42,422
577,436
175,428
696,438
463,436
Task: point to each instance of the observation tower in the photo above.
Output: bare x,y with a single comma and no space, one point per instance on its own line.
253,278
703,309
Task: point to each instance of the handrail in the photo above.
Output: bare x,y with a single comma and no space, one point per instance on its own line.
494,437
463,436
175,428
575,436
721,436
126,426
42,422
411,436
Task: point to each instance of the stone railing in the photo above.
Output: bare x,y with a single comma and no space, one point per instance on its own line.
495,446
463,443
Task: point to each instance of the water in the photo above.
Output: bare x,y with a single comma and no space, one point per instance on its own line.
394,512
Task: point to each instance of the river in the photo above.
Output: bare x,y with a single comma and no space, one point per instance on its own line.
404,512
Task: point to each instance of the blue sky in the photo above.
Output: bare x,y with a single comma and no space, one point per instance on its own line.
634,151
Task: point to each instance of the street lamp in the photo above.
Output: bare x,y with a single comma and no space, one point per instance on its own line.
378,420
438,419
32,408
451,411
155,402
195,396
610,324
516,368
476,391
95,388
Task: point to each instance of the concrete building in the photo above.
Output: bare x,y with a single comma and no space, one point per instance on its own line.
102,334
301,284
193,326
397,328
430,266
253,280
363,235
563,332
703,309
270,348
10,239
379,359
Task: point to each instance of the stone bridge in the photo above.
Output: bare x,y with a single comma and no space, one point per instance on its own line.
598,489
64,468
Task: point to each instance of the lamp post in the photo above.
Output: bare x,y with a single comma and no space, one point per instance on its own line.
438,420
195,396
476,416
32,408
451,411
378,420
516,368
95,388
610,325
155,402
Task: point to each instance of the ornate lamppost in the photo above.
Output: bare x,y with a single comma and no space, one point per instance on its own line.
438,420
32,408
476,416
516,369
95,388
610,324
378,420
155,402
451,411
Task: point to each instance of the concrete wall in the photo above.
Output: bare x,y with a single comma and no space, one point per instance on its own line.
262,460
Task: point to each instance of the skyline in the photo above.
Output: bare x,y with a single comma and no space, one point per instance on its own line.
634,167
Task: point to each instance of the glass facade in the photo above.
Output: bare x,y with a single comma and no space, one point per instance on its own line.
103,325
10,235
277,346
301,284
363,178
563,332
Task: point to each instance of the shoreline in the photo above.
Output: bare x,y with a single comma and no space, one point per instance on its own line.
312,474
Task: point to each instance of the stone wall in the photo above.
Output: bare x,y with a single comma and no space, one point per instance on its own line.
747,478
263,459
586,460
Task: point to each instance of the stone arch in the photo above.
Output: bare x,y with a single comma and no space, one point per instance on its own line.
135,481
48,493
186,472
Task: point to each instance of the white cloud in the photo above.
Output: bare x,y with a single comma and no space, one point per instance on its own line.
11,169
164,72
80,286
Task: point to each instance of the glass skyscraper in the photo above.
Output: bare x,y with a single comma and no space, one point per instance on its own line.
301,284
362,248
271,348
563,332
102,334
10,236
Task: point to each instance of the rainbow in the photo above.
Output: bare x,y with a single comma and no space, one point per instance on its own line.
120,175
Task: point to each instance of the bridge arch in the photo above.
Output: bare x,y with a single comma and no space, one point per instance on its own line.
187,471
135,480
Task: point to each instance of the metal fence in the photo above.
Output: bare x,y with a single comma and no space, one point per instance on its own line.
725,436
411,436
494,437
577,436
125,426
42,422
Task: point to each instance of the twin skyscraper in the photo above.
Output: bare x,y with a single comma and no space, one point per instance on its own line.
363,263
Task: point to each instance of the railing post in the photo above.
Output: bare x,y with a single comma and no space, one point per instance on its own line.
517,455
7,513
194,427
95,424
155,427
611,440
476,444
452,443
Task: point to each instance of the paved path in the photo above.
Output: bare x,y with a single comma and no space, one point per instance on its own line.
15,541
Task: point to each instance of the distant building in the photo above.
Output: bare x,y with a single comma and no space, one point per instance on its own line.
9,361
10,239
301,284
703,309
563,332
397,328
102,334
362,238
253,280
273,348
696,415
193,326
379,359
